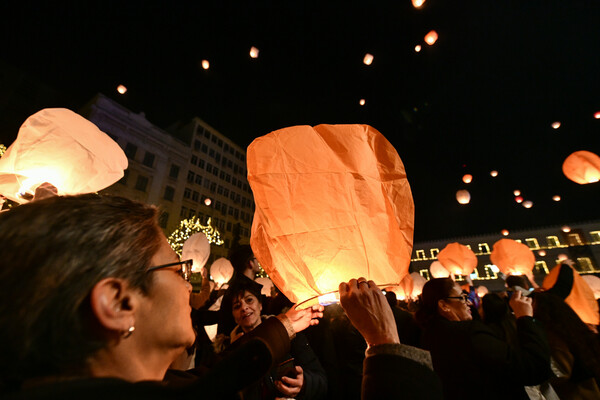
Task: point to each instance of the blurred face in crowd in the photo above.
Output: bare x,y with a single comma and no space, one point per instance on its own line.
455,307
246,311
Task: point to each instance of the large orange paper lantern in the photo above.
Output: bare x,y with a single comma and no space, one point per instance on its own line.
437,270
197,248
512,257
463,196
267,285
332,203
58,146
221,271
594,284
458,259
581,299
582,167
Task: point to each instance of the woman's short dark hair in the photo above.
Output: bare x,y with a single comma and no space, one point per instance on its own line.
433,291
54,251
247,285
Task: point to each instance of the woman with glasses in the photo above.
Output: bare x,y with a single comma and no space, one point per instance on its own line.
470,359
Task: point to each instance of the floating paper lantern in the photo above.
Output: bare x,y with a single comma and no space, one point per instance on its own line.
555,125
463,196
267,285
254,52
368,59
332,203
362,102
221,271
467,178
418,3
197,248
505,232
431,38
437,270
542,253
519,199
418,48
458,259
60,147
556,198
594,284
528,204
512,257
494,173
207,202
597,115
517,192
481,291
562,257
566,229
121,89
205,64
582,167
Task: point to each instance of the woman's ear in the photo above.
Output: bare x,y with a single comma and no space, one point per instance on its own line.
114,302
442,307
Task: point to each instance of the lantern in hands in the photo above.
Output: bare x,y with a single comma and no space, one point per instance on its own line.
221,271
197,248
332,203
512,257
458,259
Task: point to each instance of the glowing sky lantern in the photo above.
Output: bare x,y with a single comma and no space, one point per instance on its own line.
418,283
58,146
555,125
494,173
418,48
221,271
368,59
481,291
267,285
528,204
437,270
197,248
431,38
562,257
566,229
519,199
582,167
556,198
254,52
504,232
517,192
467,178
512,257
463,196
121,89
362,102
332,203
597,115
418,3
205,64
207,202
458,259
542,253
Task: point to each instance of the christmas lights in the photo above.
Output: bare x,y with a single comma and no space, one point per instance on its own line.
188,227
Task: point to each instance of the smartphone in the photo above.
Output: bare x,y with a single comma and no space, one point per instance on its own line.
286,368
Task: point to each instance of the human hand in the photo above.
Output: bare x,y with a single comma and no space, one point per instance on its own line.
369,311
302,319
290,387
521,305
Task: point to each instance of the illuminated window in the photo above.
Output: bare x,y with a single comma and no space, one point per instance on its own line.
425,274
541,267
585,264
484,248
434,252
489,272
469,246
552,241
574,239
475,275
532,243
421,255
595,237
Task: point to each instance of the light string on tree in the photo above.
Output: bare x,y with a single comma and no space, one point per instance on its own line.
187,228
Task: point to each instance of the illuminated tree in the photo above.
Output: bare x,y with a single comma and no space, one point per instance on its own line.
188,227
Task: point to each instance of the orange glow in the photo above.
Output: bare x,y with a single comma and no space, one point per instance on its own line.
504,232
121,89
437,270
205,64
562,257
494,173
418,3
254,52
368,59
221,271
597,115
207,202
482,291
555,125
566,229
556,198
463,196
431,38
512,257
528,204
517,192
519,199
418,48
467,178
582,167
362,102
542,253
458,259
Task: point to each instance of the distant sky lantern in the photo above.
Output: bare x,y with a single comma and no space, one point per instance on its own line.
528,204
253,52
597,115
555,125
121,89
482,291
332,203
556,198
58,146
418,3
437,270
362,102
418,48
197,248
542,253
431,38
494,173
582,167
205,64
221,271
562,257
517,192
207,202
467,178
368,59
512,257
519,199
504,232
463,196
566,229
458,259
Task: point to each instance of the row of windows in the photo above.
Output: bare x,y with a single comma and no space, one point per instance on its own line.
222,207
141,182
202,147
200,131
223,191
211,169
148,160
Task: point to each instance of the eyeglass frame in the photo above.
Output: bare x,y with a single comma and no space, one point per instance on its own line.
463,297
185,271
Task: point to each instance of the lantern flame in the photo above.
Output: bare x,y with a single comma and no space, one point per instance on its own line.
418,48
566,229
329,298
205,64
368,59
418,3
431,38
505,232
254,52
121,89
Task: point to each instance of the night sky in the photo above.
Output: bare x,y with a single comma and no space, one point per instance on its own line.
482,98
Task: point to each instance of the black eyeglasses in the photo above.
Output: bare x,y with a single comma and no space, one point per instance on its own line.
462,297
185,271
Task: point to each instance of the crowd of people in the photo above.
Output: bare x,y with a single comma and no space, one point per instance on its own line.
94,303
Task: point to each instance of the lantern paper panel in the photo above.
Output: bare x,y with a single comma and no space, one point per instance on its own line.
60,147
458,259
197,248
418,283
581,299
512,257
582,167
437,270
332,203
594,284
221,271
267,285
